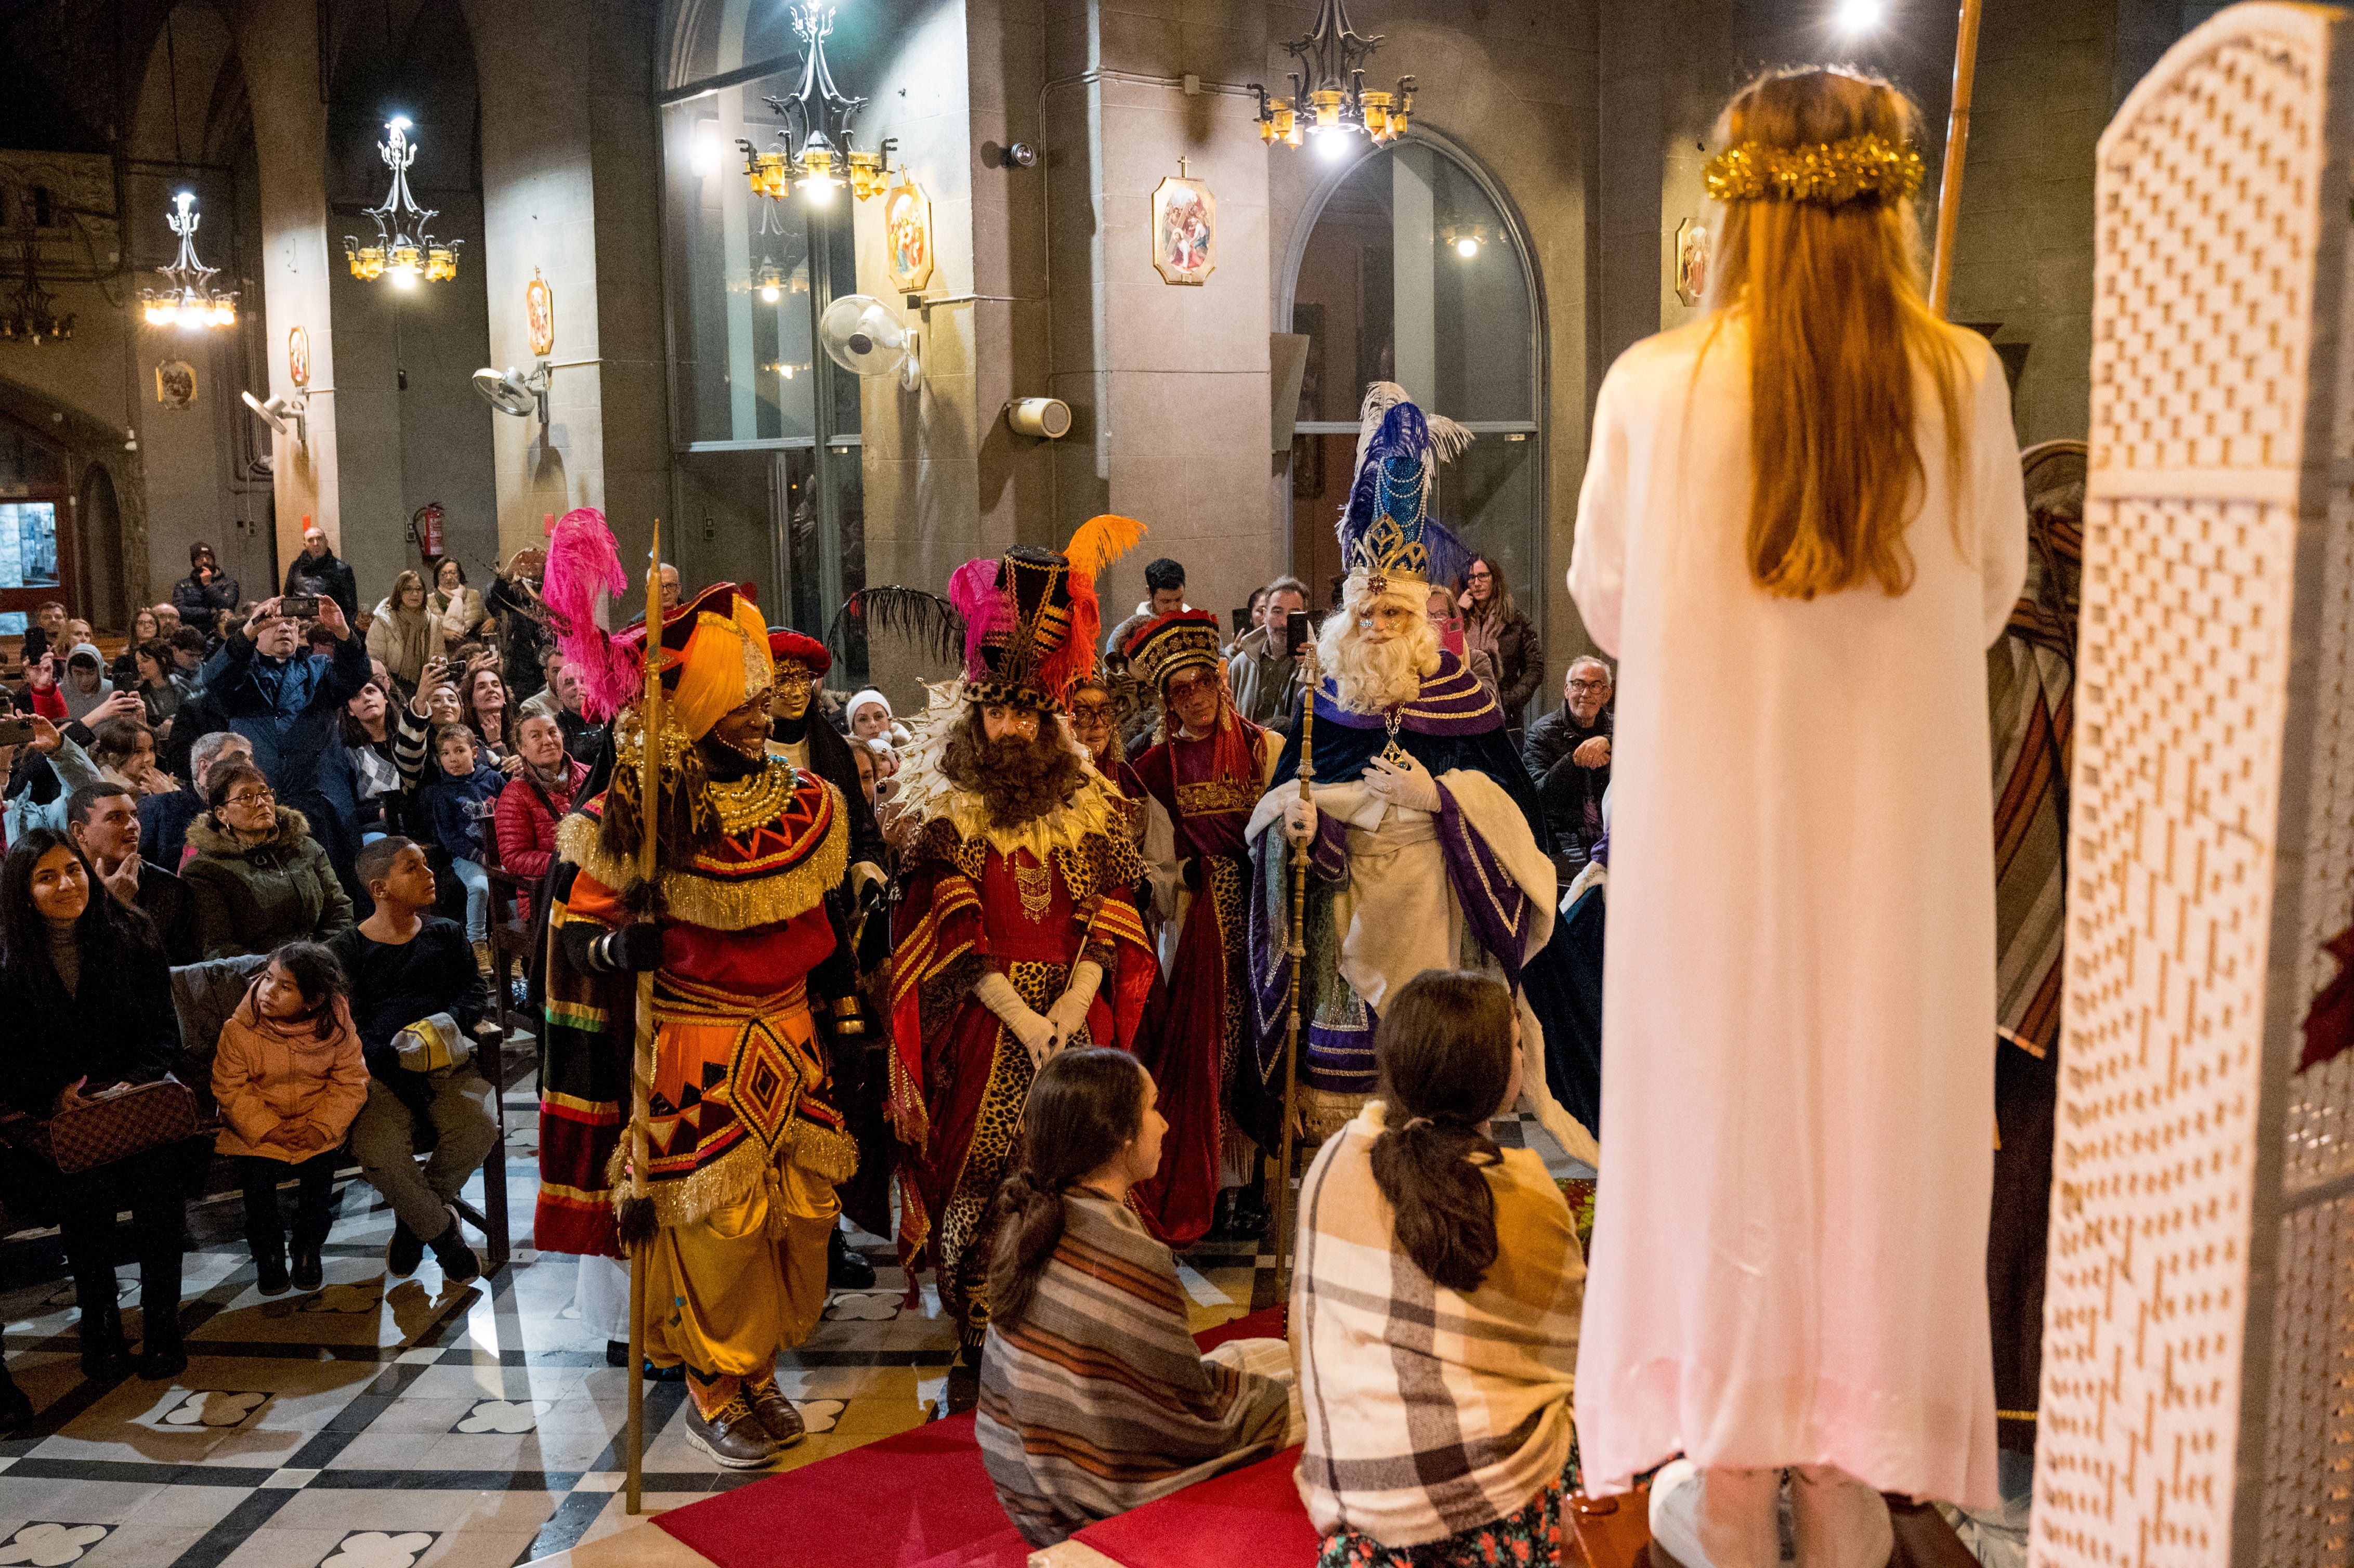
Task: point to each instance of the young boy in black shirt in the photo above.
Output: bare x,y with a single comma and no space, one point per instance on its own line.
416,996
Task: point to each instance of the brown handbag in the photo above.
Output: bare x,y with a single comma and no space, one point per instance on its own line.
101,1131
1614,1532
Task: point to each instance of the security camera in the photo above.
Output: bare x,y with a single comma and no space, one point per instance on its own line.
1021,155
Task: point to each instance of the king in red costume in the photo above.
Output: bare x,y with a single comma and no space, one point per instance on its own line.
1017,933
1205,775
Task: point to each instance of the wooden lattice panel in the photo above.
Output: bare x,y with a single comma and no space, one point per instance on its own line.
2211,807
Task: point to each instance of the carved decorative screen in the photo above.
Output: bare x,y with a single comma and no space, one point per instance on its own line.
2199,1332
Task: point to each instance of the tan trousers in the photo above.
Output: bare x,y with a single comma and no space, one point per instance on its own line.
723,1297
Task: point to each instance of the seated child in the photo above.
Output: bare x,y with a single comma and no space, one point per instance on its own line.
1094,1398
288,1079
1436,1302
416,996
460,805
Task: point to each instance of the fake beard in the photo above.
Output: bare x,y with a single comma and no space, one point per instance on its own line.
1018,780
1372,676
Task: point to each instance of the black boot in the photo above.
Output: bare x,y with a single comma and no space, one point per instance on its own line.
1250,1215
270,1270
103,1352
162,1354
845,1270
309,1272
404,1252
15,1410
458,1261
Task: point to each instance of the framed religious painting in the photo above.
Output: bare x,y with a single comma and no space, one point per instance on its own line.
907,236
539,315
1184,230
1691,261
175,384
298,358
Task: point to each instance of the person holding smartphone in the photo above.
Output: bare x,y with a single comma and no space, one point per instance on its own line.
1263,669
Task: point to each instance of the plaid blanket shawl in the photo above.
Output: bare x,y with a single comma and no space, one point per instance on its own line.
1098,1400
1430,1411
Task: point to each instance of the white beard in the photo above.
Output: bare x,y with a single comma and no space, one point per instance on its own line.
1371,677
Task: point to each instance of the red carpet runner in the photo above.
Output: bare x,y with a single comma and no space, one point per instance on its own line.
921,1499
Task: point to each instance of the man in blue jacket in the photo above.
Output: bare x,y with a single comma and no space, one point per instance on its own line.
286,702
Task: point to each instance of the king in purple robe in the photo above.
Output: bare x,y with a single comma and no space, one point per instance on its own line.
1424,836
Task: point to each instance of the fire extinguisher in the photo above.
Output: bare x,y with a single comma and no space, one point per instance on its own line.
425,527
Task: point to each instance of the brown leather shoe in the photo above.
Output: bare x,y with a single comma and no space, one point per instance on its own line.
776,1413
732,1434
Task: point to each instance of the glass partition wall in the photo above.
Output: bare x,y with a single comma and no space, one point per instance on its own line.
1412,274
765,428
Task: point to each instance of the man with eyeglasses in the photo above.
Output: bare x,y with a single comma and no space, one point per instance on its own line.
1205,775
1568,753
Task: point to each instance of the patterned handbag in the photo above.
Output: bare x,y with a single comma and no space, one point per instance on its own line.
121,1124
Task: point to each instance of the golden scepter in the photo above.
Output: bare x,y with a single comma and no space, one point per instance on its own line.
1300,855
1957,146
642,1063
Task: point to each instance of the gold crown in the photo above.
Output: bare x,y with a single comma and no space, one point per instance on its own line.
1387,550
1827,172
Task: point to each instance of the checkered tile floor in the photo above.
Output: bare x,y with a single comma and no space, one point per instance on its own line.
403,1424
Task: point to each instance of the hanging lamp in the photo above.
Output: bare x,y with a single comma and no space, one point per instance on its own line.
815,151
405,248
1328,96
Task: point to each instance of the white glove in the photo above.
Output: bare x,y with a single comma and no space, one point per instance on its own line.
997,994
1298,815
1410,785
1069,1013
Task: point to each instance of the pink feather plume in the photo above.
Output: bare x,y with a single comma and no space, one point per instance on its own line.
974,594
583,581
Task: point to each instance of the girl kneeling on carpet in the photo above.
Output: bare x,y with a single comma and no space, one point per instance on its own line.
1438,1290
290,1080
1094,1397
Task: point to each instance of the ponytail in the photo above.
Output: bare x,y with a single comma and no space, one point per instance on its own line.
1444,1048
1085,1106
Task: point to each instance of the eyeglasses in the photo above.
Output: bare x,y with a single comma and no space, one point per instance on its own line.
254,798
1091,713
1479,577
1589,685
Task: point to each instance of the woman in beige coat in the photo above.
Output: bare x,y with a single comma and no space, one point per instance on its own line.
404,632
289,1078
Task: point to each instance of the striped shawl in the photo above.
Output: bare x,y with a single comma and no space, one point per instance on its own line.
1098,1400
1428,1412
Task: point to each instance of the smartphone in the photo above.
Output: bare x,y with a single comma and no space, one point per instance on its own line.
1242,619
16,732
299,606
1298,629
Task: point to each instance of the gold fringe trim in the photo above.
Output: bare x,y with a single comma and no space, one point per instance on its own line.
822,1151
709,902
1090,812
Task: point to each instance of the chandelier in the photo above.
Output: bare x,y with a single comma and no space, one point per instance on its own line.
190,300
29,317
816,155
398,251
1328,98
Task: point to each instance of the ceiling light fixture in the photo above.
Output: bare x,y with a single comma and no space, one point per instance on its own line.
815,153
190,300
398,253
1328,98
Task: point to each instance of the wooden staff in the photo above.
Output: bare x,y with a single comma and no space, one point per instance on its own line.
1300,855
642,1066
1957,144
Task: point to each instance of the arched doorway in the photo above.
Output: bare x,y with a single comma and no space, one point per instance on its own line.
1413,270
36,526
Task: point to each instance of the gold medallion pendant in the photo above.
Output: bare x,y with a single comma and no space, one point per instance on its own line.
1035,884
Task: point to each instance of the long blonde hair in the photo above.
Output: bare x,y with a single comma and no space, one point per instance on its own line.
1832,297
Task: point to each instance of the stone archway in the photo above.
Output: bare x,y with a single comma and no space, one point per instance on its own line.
95,581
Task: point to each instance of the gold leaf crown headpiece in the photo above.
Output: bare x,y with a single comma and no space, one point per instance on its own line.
1829,174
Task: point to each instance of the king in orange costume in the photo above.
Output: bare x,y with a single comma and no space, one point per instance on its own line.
745,1145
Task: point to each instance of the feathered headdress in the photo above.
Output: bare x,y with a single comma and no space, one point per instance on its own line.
583,579
1031,616
1386,532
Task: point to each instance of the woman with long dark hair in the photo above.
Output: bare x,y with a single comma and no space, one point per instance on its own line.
1436,1302
88,996
1094,1398
1494,625
1801,527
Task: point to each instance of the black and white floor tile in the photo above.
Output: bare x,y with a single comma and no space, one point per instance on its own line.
413,1424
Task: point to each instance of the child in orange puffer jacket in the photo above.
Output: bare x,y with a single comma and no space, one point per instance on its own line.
290,1080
